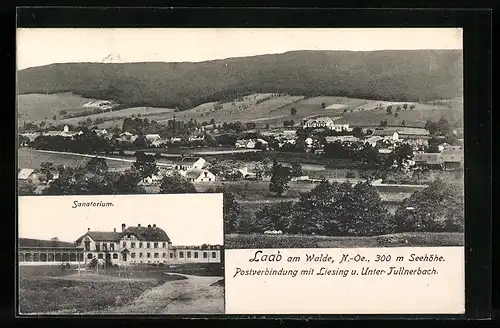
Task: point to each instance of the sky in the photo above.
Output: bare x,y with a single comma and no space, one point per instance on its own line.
192,219
38,47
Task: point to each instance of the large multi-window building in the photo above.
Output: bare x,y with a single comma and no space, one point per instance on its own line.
130,246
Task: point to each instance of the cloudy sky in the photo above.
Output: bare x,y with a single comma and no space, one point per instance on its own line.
38,47
192,219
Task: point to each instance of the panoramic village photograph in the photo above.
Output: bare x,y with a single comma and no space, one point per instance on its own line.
315,137
120,259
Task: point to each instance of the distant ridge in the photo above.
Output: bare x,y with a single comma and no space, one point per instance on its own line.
394,75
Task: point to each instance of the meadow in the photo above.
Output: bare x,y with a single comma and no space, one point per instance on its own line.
38,107
413,239
116,117
82,293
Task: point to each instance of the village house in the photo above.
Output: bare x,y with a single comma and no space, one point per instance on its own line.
431,160
246,174
335,124
450,158
29,175
187,163
135,245
244,143
199,175
152,137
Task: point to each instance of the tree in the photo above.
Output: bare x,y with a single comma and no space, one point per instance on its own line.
400,157
97,165
267,126
405,106
279,179
335,209
323,105
357,132
437,208
273,217
145,165
176,184
26,188
395,114
398,109
54,117
412,107
293,111
231,210
369,157
403,123
350,175
296,170
389,110
47,169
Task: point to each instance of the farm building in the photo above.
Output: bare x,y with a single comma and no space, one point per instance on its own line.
28,175
335,124
246,174
188,163
152,137
432,160
131,246
199,175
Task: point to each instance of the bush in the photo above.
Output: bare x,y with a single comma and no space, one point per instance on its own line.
350,175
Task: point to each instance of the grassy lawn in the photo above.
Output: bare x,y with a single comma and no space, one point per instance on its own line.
84,293
39,106
244,241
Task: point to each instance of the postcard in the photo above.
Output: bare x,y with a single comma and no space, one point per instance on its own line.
240,171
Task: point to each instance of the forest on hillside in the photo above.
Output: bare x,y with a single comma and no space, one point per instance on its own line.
419,75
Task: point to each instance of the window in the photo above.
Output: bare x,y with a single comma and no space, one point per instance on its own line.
188,255
149,255
89,256
140,245
87,246
195,255
112,247
132,245
98,247
164,245
181,255
132,255
124,245
104,247
100,256
205,255
164,255
156,255
140,256
155,245
171,255
214,255
147,245
115,256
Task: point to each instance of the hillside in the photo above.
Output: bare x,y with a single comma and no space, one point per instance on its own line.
419,75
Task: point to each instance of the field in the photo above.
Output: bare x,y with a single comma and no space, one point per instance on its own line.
38,107
75,293
243,111
32,159
46,289
416,117
414,239
116,117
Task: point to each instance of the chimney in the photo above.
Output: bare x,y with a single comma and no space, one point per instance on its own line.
88,229
139,225
123,227
114,230
154,225
149,225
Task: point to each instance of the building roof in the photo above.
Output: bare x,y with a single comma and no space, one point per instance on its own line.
193,173
24,174
413,131
152,233
142,233
28,242
429,158
322,119
452,157
384,132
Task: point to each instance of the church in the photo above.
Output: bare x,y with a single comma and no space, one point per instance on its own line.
132,245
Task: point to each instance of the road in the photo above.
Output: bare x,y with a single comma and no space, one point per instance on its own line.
191,296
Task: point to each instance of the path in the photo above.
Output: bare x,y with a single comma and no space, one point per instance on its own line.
191,296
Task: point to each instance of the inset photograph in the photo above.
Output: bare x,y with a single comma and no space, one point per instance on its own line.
148,254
